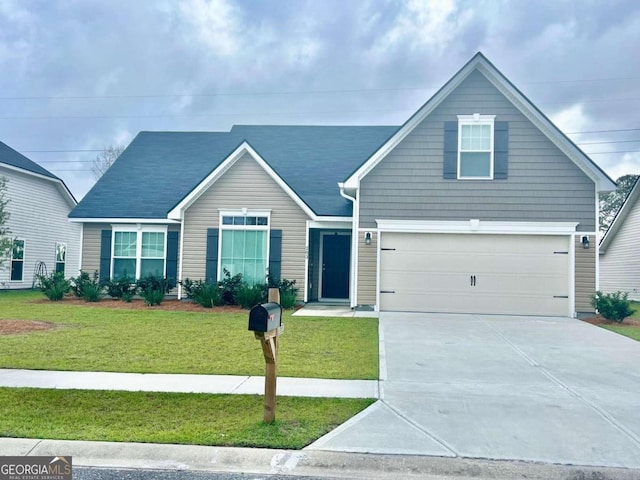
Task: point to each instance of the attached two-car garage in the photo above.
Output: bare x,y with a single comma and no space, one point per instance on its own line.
475,273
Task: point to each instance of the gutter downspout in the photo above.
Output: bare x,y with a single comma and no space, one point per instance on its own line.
353,274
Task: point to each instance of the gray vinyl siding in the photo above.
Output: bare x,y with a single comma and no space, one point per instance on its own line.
91,246
620,264
367,259
38,215
585,279
542,184
246,185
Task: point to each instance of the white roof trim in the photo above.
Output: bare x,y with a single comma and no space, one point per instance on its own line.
475,226
480,63
177,212
66,193
621,216
158,221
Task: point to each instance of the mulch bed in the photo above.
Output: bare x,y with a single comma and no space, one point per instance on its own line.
170,304
598,320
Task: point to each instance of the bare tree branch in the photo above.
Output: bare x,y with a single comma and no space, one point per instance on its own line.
105,159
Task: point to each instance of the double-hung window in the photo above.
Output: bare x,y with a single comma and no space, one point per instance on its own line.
244,245
138,253
475,146
61,257
17,261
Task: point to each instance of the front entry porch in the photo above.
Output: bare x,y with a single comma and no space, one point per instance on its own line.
329,262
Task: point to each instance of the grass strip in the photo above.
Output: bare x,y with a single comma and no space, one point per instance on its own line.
174,418
93,338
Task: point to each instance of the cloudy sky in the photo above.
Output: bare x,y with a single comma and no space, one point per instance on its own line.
79,75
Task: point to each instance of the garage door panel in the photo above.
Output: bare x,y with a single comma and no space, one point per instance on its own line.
513,274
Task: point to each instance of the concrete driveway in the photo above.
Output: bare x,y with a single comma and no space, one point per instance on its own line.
554,390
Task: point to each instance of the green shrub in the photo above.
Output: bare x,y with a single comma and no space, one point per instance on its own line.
123,288
229,287
288,291
288,299
87,287
613,306
153,289
206,294
54,286
250,295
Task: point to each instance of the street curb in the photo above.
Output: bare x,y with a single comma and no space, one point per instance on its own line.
303,463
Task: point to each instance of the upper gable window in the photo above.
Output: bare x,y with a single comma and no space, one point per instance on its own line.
475,146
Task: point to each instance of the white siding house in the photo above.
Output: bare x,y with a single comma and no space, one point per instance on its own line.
620,250
44,239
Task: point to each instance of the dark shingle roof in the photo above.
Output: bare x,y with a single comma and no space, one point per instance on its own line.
10,157
158,169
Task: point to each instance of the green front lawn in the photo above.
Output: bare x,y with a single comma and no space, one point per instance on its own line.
630,327
179,418
91,337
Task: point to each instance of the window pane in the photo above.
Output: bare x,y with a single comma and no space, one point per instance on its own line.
475,164
17,252
124,244
263,221
251,221
61,252
238,220
151,267
245,252
124,266
227,220
16,270
152,244
60,267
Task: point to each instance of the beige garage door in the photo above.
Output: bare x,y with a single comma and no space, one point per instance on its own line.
491,274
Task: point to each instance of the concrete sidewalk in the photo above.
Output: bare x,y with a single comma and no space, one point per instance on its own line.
154,382
261,461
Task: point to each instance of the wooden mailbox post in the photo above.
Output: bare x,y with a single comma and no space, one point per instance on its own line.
269,342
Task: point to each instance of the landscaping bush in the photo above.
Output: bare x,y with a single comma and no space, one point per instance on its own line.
123,288
87,287
288,291
54,286
613,306
250,295
153,289
203,293
229,287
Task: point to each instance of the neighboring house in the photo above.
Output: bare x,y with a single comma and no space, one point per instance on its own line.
620,249
477,204
44,240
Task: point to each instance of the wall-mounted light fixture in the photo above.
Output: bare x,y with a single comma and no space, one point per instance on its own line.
367,238
585,242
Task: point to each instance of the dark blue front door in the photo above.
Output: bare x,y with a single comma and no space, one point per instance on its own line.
336,255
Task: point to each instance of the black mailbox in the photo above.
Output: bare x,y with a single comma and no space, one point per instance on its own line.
265,317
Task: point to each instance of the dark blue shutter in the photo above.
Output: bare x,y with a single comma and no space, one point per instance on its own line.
500,150
105,255
211,266
172,256
275,254
450,170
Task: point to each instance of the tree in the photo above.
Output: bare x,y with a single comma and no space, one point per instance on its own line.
611,202
5,240
105,159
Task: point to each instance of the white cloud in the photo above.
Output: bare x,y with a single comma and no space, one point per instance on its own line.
216,23
571,119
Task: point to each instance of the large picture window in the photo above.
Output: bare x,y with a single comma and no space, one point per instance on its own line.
475,146
244,246
138,253
17,261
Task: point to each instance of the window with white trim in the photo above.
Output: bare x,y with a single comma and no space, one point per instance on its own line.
61,257
244,245
475,146
17,260
139,253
